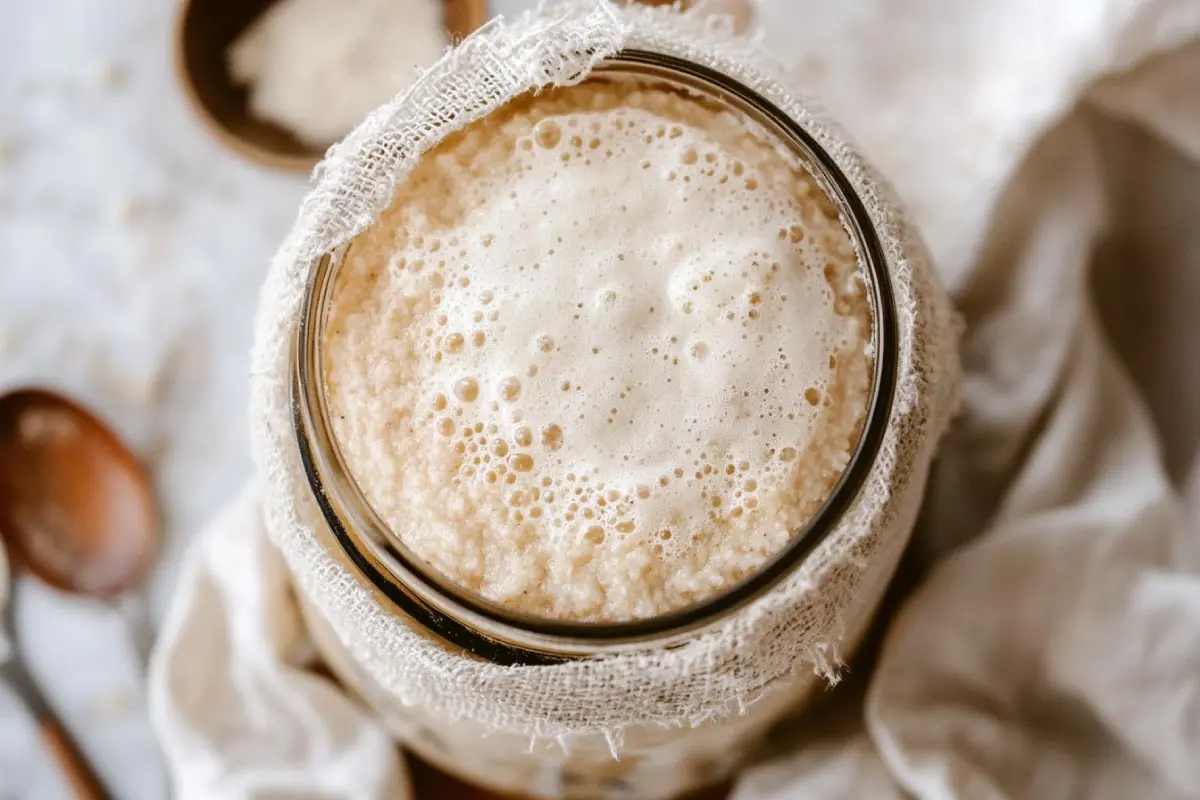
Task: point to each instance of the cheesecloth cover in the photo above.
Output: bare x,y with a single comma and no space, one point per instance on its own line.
794,628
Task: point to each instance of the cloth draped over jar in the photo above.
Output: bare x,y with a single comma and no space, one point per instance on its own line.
1047,643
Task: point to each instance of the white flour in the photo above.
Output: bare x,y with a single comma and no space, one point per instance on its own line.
317,67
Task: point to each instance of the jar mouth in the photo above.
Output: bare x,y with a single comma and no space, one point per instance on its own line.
499,634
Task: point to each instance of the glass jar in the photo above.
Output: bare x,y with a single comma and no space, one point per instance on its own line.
645,763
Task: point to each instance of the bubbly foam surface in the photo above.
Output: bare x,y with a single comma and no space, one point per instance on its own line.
607,350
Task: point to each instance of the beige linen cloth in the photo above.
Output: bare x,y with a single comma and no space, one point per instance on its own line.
1051,647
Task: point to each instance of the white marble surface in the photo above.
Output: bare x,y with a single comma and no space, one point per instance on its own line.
131,250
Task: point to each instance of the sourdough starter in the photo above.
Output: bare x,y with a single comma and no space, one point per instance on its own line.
604,355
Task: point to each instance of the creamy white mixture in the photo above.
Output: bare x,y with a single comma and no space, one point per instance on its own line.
603,355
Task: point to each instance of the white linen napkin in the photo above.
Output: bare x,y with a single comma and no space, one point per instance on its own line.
1051,153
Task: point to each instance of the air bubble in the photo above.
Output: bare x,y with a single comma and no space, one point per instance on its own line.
445,426
547,134
510,389
523,437
552,437
466,389
521,462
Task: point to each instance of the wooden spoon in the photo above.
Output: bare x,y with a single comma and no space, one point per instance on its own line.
77,511
55,738
76,508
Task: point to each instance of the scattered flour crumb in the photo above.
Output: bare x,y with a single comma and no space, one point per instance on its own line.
114,705
110,76
129,210
135,388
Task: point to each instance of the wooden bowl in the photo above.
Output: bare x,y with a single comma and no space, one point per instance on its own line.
203,32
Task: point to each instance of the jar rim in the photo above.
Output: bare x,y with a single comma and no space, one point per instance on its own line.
498,634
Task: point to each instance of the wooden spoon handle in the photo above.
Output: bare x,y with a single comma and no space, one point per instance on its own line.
75,768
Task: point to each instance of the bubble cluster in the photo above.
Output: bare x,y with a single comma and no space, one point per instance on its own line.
604,354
